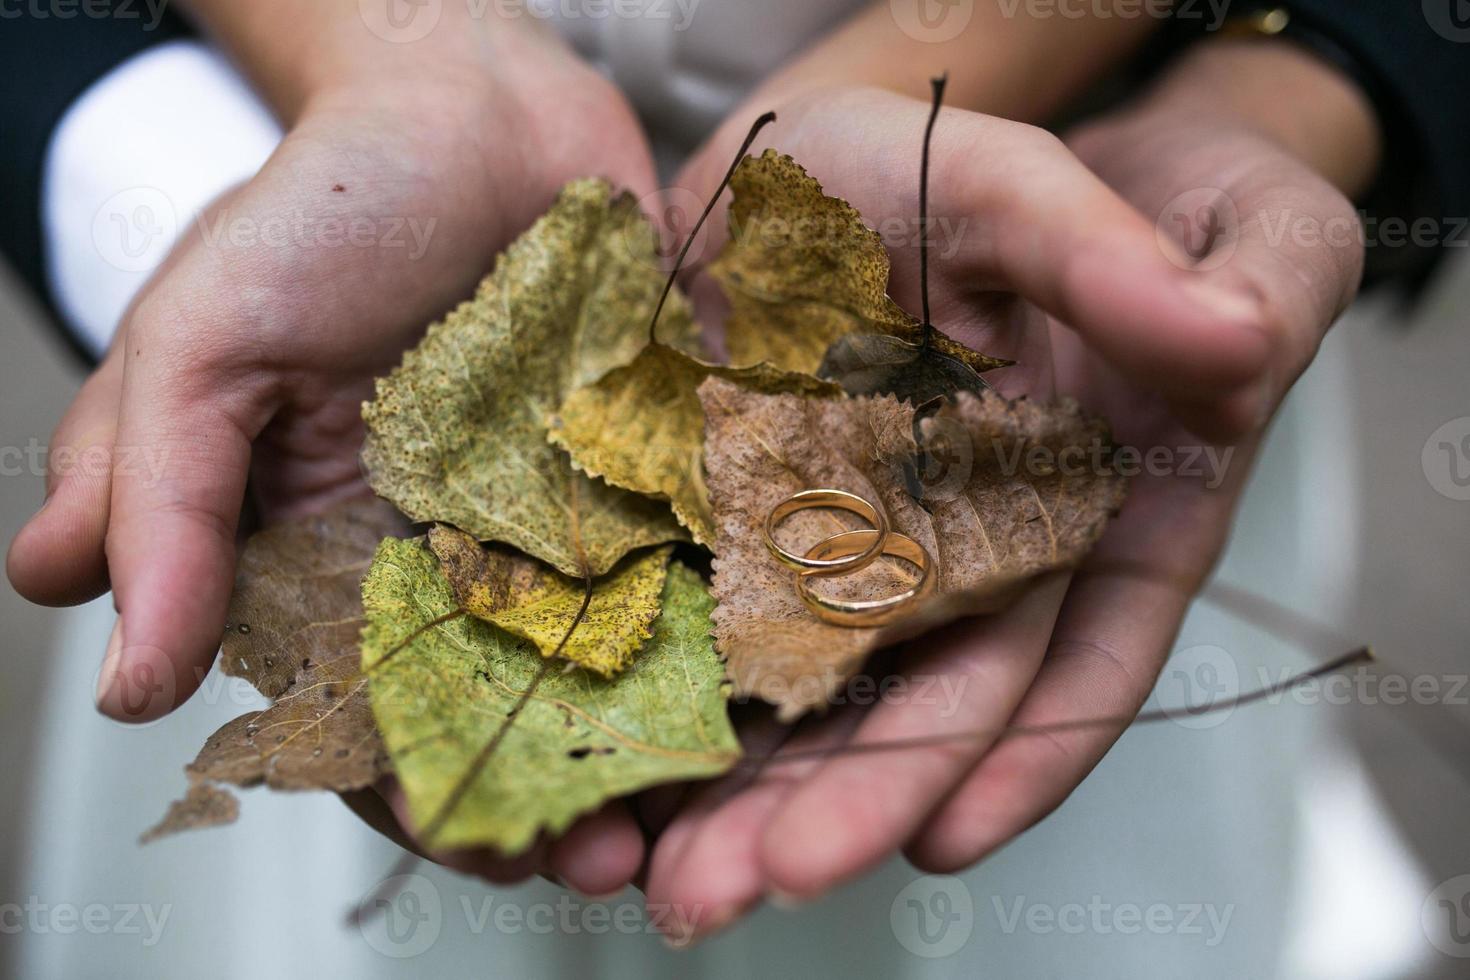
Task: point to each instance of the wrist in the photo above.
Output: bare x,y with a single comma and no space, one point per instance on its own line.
1281,92
300,54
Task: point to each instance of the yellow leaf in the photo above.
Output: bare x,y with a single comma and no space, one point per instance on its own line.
641,426
526,598
801,270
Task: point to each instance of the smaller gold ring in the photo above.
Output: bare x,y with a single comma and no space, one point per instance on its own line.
866,612
840,500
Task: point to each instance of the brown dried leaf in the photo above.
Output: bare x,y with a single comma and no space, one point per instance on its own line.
292,631
203,806
992,517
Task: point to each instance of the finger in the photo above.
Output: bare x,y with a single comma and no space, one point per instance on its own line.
1111,641
1053,232
854,810
601,852
1235,209
189,411
1114,631
57,558
705,872
478,861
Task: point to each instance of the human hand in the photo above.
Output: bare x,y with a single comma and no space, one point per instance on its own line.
240,369
1055,262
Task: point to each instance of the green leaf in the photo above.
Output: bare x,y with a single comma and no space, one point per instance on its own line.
442,684
457,433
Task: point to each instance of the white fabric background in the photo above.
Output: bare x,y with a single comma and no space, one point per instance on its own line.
1244,816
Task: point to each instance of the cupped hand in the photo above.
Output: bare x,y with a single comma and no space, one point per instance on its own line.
1066,257
239,372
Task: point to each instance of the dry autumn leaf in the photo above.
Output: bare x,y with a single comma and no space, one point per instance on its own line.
205,805
457,433
442,686
993,516
641,426
292,631
879,364
537,603
801,270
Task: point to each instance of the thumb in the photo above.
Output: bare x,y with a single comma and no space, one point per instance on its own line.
183,450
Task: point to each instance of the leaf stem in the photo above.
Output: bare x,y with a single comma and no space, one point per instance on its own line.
761,123
937,84
388,886
1360,655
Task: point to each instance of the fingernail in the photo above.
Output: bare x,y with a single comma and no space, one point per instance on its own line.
1228,304
682,935
784,900
110,663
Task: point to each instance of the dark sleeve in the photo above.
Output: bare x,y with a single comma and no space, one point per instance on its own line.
1412,59
49,61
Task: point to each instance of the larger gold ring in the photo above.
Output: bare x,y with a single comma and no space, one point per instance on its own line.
866,612
841,500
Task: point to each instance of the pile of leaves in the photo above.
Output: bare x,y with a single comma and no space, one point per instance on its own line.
507,629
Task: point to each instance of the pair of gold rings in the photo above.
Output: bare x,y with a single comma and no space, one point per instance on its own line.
846,552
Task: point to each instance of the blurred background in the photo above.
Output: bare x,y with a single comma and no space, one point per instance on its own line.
1321,834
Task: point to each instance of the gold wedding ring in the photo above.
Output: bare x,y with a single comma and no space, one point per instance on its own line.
866,612
840,500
